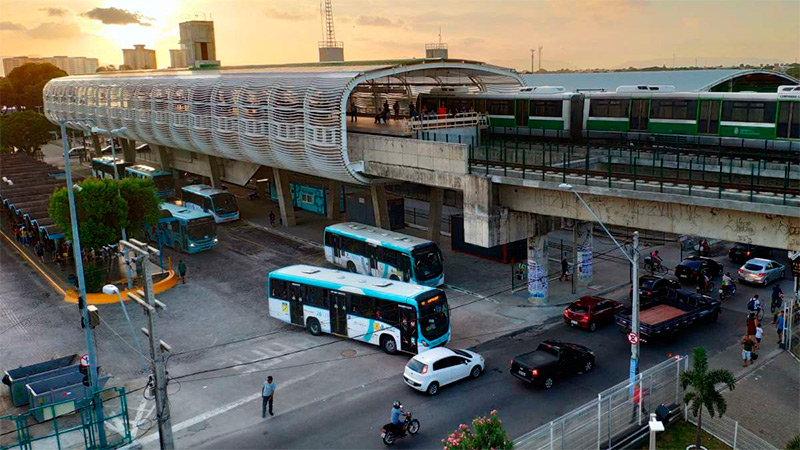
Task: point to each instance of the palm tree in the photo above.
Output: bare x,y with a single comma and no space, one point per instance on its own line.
704,392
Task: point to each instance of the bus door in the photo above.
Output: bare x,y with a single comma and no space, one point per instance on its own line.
523,112
373,259
408,328
708,122
296,295
336,243
338,302
639,110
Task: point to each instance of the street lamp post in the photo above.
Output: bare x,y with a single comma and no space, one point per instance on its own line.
110,289
76,250
634,260
111,133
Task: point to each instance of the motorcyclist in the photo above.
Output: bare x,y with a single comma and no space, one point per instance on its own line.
727,283
657,261
777,296
704,283
398,416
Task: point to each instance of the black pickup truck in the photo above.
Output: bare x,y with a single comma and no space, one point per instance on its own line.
552,360
665,316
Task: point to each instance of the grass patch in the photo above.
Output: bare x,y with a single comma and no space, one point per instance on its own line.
680,434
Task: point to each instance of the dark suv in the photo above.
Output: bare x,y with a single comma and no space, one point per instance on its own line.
654,286
690,268
740,253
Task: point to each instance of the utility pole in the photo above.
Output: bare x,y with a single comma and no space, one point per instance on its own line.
158,364
533,58
94,374
540,57
635,307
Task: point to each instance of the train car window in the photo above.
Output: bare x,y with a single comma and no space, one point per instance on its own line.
608,108
500,107
755,112
673,109
546,108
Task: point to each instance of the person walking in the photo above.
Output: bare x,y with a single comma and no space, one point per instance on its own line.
182,271
759,334
267,395
396,108
747,348
272,218
751,325
638,401
564,270
353,110
39,249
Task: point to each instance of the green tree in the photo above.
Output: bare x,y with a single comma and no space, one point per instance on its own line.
143,203
25,130
704,393
794,71
8,96
486,433
28,81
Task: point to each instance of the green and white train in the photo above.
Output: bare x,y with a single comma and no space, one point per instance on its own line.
742,119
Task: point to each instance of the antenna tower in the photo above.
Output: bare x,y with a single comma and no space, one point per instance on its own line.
329,48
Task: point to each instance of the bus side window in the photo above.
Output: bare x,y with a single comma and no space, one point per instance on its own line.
386,311
405,266
278,288
362,306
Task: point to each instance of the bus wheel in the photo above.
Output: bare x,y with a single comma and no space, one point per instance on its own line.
313,326
394,277
351,267
389,345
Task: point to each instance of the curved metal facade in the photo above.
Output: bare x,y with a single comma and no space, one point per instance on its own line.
291,117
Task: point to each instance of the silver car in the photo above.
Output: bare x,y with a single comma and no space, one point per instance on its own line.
761,271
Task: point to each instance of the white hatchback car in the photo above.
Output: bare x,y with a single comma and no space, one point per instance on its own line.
428,371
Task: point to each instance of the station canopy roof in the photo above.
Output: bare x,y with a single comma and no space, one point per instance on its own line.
716,80
288,116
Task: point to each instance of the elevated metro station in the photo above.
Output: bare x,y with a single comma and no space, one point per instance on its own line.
318,121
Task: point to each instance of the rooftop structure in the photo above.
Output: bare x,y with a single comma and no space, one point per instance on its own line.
139,57
198,44
288,117
716,80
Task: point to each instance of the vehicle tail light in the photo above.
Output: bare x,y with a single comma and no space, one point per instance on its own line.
649,293
761,274
741,270
424,369
534,373
511,363
748,253
585,317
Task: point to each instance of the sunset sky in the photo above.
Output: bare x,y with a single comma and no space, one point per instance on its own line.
574,34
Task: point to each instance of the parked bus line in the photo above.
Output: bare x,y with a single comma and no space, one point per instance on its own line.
219,203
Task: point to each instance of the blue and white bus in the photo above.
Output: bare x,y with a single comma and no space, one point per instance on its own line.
219,203
161,180
184,229
103,167
381,253
394,315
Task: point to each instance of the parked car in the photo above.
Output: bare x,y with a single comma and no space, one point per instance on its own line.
551,361
740,252
429,371
589,311
76,152
761,271
690,268
654,286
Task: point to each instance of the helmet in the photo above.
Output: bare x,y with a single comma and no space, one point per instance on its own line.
397,405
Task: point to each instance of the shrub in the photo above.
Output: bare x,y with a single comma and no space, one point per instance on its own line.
487,433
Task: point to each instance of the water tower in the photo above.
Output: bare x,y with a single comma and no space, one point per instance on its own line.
329,48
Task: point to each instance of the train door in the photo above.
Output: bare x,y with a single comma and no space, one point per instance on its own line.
523,111
338,302
296,296
639,111
576,116
708,122
788,120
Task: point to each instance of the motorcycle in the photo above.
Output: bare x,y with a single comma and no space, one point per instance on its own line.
653,266
390,434
706,290
727,291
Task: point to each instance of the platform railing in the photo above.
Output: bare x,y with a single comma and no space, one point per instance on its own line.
439,121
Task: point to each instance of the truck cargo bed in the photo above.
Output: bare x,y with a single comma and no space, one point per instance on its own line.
660,313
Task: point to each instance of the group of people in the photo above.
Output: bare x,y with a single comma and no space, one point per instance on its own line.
394,112
27,238
751,341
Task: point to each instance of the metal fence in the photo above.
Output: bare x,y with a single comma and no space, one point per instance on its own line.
730,432
613,416
70,424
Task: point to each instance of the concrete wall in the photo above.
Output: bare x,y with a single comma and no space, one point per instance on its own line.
236,172
424,162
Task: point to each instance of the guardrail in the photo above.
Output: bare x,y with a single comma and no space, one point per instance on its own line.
435,122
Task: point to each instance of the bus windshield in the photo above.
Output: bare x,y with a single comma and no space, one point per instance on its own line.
427,262
202,228
434,314
224,203
162,182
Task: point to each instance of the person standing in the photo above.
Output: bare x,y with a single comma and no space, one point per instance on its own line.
272,218
759,334
564,270
353,110
396,108
638,400
39,249
751,325
779,326
747,348
182,271
267,395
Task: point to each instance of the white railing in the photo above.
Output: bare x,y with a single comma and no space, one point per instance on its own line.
730,432
439,121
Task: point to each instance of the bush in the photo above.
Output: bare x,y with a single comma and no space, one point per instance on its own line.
93,275
794,444
487,433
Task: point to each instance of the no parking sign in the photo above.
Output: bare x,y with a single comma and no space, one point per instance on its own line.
633,338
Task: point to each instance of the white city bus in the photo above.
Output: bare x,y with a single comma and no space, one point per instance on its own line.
392,314
381,253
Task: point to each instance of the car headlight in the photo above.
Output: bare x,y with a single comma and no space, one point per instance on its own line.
192,244
216,240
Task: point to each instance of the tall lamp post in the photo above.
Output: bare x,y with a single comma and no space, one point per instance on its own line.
634,260
112,133
76,250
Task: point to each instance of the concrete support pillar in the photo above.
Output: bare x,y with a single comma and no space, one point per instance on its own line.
582,243
380,206
435,214
164,157
284,194
214,169
334,199
128,150
98,149
538,282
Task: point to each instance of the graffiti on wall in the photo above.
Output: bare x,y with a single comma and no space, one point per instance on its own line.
537,267
583,246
